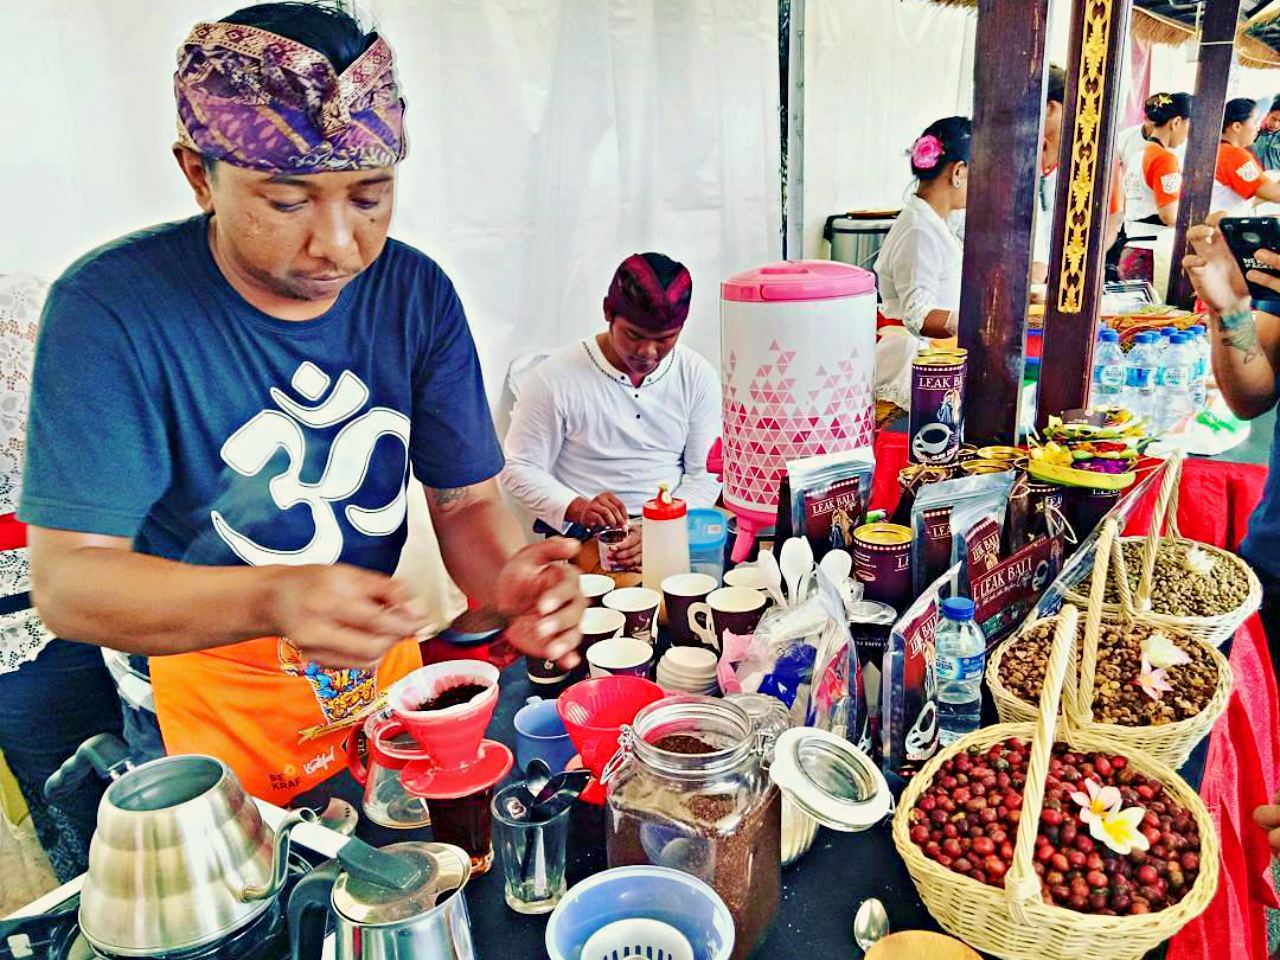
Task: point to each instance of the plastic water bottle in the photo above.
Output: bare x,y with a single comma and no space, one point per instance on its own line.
961,660
1164,335
1174,399
1140,375
1108,370
1200,376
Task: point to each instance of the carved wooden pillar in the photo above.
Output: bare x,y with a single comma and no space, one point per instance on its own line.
1217,37
1077,265
1008,104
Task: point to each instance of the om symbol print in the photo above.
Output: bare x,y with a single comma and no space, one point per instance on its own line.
249,449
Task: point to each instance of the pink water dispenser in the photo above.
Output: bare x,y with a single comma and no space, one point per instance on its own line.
797,364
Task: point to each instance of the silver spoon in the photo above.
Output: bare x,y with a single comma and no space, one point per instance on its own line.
870,924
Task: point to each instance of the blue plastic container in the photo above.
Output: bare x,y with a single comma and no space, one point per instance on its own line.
708,531
657,893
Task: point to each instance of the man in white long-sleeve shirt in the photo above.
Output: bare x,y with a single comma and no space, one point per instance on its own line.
600,425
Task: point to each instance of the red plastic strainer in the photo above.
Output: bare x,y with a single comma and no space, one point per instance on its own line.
594,711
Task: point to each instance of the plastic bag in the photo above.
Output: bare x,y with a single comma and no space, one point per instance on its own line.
909,691
931,543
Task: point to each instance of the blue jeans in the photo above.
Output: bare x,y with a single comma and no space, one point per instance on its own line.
48,707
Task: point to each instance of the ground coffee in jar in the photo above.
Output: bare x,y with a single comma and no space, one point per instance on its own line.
688,791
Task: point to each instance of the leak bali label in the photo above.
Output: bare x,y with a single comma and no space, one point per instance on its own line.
882,563
937,406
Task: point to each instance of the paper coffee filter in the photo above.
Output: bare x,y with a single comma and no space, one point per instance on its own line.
429,682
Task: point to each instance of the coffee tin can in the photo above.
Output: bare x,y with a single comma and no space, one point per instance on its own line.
1043,500
937,406
882,563
1007,454
910,479
973,468
1086,508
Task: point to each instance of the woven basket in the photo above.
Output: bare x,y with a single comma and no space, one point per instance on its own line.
1214,629
1015,923
1169,743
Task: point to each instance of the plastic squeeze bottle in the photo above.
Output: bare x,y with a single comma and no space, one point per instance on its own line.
665,538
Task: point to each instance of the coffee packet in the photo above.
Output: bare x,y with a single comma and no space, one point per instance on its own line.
909,692
931,538
828,496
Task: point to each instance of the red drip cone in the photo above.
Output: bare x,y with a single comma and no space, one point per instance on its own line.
449,737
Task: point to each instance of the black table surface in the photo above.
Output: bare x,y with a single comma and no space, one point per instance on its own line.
820,893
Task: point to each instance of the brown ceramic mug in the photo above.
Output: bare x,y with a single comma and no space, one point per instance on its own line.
679,593
735,609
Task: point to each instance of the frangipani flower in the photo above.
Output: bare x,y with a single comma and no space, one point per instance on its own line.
1097,802
1162,652
1199,561
1119,830
1152,681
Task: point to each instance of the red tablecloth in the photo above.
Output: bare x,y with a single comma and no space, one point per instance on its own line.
1214,503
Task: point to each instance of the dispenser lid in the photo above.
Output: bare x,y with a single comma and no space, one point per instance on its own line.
830,779
442,869
664,506
799,280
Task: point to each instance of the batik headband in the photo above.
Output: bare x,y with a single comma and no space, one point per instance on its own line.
258,100
638,294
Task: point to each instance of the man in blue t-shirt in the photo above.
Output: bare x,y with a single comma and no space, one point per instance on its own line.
225,411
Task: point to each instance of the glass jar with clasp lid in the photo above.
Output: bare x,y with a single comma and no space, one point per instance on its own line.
691,788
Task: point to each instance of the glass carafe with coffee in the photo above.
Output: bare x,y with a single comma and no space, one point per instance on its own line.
446,708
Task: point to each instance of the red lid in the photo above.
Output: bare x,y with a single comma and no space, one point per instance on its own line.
799,280
664,506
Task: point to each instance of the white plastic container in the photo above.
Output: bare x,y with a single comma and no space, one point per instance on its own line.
797,351
665,538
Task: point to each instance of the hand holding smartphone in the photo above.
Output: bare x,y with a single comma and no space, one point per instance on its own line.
1245,236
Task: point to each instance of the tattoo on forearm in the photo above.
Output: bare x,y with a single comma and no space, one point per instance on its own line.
450,496
1240,332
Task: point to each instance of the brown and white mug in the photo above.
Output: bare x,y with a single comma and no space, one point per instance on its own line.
680,592
735,609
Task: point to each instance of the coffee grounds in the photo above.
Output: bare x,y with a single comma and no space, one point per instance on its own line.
685,744
454,696
734,848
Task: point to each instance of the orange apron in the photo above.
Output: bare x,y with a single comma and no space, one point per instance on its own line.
276,720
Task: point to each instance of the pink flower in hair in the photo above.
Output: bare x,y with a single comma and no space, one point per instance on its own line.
926,152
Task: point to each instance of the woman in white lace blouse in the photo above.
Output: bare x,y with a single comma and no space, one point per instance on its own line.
918,268
53,693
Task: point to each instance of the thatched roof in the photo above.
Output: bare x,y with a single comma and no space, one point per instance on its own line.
1175,22
1258,39
1156,21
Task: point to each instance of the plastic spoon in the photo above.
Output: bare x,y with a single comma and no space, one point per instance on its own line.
797,560
767,564
837,565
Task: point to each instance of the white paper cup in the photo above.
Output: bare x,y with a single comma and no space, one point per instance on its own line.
620,657
752,578
640,607
594,586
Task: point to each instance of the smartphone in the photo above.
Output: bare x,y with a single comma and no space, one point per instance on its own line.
1247,235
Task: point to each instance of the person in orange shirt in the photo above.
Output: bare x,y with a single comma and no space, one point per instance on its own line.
1153,187
1239,181
225,411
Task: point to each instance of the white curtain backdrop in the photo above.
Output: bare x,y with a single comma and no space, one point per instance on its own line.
877,72
549,139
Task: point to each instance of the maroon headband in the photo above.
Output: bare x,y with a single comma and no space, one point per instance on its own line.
259,100
638,294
